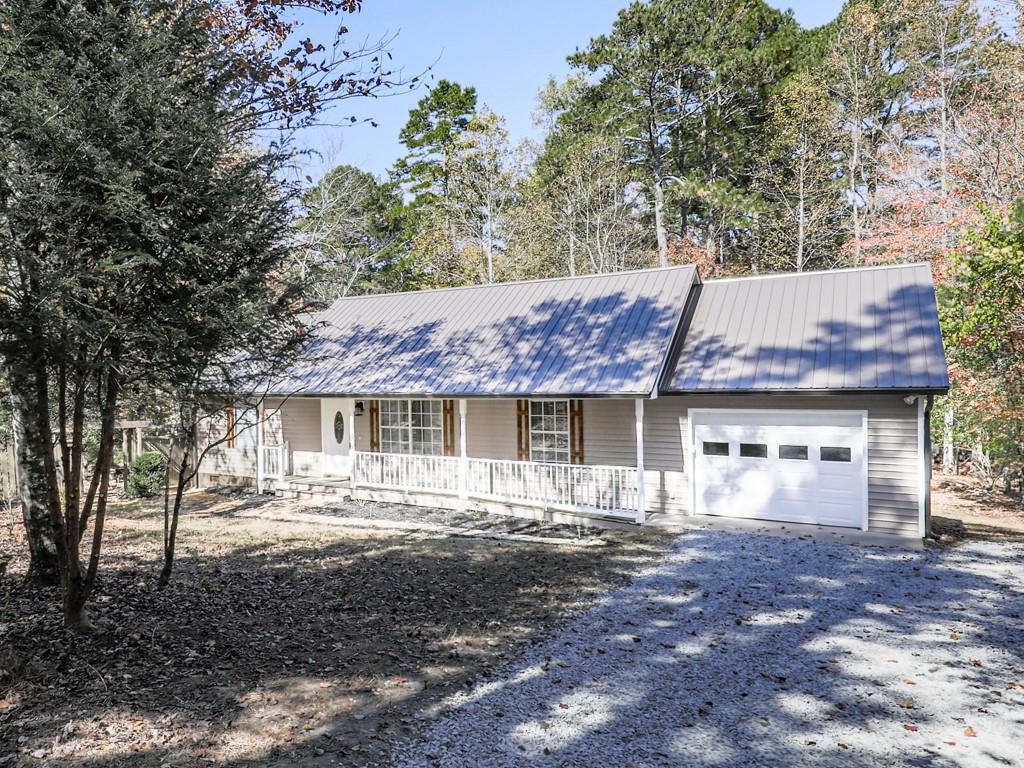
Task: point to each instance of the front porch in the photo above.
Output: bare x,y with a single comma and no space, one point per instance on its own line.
610,492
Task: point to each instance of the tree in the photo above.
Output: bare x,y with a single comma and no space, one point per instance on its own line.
351,237
685,85
797,179
482,183
430,135
866,67
134,207
982,313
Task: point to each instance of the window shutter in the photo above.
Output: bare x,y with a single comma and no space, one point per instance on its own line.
576,431
522,430
448,422
375,426
229,413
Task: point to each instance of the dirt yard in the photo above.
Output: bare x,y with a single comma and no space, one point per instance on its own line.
278,642
964,507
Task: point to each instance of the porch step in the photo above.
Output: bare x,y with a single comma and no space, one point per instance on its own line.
312,496
321,489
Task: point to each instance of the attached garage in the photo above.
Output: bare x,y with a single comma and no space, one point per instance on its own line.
783,465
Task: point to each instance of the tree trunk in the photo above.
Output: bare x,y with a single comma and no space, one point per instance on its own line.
35,497
948,448
659,198
171,518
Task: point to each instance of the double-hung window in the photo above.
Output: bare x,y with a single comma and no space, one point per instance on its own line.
549,431
242,423
412,426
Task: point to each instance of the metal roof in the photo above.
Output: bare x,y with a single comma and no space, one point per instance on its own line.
855,329
594,335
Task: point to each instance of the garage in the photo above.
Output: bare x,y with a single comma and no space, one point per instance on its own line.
782,465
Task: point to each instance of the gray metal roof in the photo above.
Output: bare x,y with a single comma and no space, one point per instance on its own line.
594,335
859,329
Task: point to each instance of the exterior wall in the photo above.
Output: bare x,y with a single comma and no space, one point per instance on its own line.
223,465
609,432
491,429
893,452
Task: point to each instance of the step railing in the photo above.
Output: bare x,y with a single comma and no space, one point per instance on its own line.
272,464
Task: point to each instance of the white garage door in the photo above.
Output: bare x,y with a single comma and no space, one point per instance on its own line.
791,466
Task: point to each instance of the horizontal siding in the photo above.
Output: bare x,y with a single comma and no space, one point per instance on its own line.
893,455
491,429
609,432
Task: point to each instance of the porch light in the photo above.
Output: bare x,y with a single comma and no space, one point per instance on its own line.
358,410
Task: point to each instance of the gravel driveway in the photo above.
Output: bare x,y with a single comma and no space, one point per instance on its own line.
744,649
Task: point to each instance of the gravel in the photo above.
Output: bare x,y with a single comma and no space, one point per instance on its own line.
738,650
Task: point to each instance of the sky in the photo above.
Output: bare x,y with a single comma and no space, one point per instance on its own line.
506,49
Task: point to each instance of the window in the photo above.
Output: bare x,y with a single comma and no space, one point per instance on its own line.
412,426
241,427
716,449
549,431
793,452
830,453
754,450
339,428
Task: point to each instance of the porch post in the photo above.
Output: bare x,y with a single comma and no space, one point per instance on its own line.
352,444
463,453
261,470
641,503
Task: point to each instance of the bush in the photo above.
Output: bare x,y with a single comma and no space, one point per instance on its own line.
147,475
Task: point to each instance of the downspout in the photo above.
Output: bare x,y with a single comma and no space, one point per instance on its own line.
928,468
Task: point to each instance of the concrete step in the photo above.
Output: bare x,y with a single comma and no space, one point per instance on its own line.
311,496
312,486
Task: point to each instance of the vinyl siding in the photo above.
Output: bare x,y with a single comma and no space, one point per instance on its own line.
609,432
893,452
221,460
491,429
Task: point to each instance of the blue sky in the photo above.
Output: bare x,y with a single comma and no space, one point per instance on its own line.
506,50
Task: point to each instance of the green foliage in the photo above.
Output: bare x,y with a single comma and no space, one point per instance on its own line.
147,475
982,313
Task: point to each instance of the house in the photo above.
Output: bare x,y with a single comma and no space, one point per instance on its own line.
639,396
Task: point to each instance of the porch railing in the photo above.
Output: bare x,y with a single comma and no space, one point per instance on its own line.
604,490
400,471
272,463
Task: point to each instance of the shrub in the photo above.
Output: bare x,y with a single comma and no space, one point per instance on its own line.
147,475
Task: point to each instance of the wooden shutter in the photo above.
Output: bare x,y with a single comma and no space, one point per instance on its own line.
229,414
448,422
523,430
576,431
375,426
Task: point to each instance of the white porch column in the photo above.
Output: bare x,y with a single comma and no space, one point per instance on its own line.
261,470
463,453
641,495
351,416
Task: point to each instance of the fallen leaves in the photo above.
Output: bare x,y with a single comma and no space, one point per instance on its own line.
905,703
969,731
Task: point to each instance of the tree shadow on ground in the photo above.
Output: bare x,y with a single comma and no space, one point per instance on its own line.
748,650
283,644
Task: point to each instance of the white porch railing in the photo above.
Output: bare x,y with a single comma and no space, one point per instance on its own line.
604,490
597,489
402,472
272,463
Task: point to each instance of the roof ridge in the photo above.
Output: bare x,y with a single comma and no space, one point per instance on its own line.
531,281
844,270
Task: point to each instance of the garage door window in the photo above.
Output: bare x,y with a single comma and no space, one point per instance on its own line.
716,449
793,452
829,453
754,450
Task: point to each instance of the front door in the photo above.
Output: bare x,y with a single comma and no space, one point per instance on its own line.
335,426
